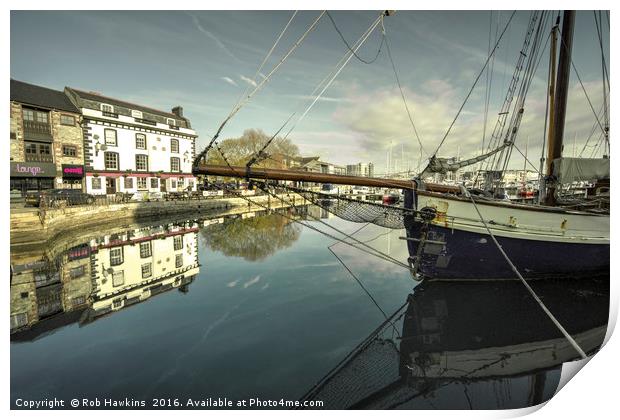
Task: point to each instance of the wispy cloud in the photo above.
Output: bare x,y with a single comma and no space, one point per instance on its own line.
229,80
214,38
251,282
248,80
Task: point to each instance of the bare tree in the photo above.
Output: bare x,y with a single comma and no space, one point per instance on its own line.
239,151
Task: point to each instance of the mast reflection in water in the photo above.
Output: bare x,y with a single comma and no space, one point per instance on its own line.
478,345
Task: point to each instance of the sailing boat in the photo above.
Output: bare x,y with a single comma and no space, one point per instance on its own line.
450,234
454,240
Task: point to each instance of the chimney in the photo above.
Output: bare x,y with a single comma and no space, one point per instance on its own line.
178,111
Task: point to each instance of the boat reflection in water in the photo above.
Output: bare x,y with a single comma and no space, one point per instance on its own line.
479,345
68,281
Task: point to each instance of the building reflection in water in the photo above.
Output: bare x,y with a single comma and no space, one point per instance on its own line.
65,283
460,345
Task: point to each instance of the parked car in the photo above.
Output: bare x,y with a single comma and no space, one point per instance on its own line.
56,197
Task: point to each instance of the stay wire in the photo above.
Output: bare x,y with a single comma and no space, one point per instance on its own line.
349,46
475,83
256,89
402,95
527,286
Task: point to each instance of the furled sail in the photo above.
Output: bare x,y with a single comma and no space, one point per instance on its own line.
443,165
567,170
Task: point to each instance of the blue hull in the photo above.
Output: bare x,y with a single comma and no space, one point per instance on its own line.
467,255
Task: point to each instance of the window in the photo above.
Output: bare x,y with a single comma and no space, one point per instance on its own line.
34,116
178,242
31,148
116,256
181,182
110,160
190,184
118,278
96,183
154,183
175,164
147,270
178,260
173,183
110,137
128,183
171,121
77,272
142,183
136,114
145,250
80,300
174,146
140,141
142,163
67,119
19,320
107,108
69,151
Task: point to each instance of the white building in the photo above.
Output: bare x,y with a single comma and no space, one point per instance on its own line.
129,267
361,169
131,148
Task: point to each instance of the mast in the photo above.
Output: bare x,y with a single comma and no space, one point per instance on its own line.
560,98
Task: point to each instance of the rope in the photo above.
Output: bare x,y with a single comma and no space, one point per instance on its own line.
256,89
351,49
474,85
247,89
527,286
402,94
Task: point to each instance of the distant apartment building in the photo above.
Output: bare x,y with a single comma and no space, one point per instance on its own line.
361,169
133,148
46,140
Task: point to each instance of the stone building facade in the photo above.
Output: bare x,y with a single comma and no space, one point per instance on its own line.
46,141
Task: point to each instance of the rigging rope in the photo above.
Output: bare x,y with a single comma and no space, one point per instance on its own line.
474,85
239,105
258,71
570,339
351,49
402,95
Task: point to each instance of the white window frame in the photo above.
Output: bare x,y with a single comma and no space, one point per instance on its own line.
105,136
174,122
102,106
136,114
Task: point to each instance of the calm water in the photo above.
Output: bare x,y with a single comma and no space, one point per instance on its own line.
255,306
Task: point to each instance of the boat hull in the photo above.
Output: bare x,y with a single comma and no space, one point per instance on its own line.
543,244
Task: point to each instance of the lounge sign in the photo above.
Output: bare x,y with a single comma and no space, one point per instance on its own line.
33,169
72,171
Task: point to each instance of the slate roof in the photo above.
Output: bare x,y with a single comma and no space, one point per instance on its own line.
29,94
92,96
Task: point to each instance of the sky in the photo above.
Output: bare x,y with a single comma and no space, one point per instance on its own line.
205,60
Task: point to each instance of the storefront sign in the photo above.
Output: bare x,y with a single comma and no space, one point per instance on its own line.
72,171
33,169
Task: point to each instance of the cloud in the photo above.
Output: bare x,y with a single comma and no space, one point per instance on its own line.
232,283
214,38
378,119
252,282
248,80
229,81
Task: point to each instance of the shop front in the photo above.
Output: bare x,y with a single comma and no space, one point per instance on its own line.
73,176
31,177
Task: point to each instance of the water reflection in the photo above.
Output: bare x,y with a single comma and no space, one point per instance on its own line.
254,238
459,345
60,284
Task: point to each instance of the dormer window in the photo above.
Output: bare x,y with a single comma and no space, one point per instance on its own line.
107,108
136,114
171,121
